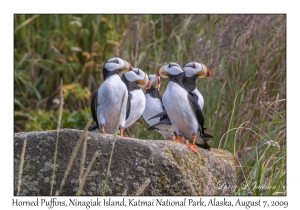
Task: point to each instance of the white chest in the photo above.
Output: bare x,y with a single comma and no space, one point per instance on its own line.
153,107
138,103
200,98
182,117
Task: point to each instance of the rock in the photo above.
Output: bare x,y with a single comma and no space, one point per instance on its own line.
172,168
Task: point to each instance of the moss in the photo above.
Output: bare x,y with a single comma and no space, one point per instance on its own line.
195,168
141,169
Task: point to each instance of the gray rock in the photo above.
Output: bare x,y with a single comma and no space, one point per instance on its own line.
172,168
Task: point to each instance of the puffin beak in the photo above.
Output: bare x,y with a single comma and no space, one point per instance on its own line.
127,66
148,85
145,82
158,72
161,72
208,72
156,81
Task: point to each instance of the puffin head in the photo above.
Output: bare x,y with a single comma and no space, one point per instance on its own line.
154,81
169,69
116,63
139,77
194,68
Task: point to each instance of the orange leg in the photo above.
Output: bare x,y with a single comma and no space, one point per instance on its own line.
121,132
192,146
171,140
174,138
178,139
103,130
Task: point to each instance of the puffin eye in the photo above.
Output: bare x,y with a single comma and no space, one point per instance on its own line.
138,72
113,61
193,66
173,64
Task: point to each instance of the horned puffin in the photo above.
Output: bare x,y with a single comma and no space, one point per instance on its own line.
154,106
107,100
182,106
135,80
193,71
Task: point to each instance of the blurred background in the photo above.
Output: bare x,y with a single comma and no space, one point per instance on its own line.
245,99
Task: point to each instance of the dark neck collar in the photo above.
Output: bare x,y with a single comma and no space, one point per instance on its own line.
130,85
153,92
178,79
190,83
107,73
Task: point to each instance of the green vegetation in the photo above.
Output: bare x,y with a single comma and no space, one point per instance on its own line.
245,107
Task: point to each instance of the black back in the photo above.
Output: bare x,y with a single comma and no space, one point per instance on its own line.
94,102
193,98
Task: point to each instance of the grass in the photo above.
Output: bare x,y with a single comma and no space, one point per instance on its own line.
245,105
61,103
113,145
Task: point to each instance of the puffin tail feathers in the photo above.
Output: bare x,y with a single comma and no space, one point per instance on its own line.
205,136
152,128
93,127
204,146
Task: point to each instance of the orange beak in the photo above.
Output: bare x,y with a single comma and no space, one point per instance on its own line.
208,72
157,73
148,85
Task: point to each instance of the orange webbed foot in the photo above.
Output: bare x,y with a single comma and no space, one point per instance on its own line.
192,147
178,140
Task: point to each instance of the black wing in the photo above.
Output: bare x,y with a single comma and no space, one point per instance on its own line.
163,121
193,98
161,115
128,107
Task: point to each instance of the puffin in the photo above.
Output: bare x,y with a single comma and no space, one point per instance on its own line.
135,80
182,106
154,113
193,71
106,101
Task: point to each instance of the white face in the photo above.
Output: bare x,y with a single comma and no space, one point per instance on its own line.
194,68
137,75
170,69
116,63
154,81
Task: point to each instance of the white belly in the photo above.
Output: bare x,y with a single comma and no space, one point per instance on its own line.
153,107
110,96
138,103
182,117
